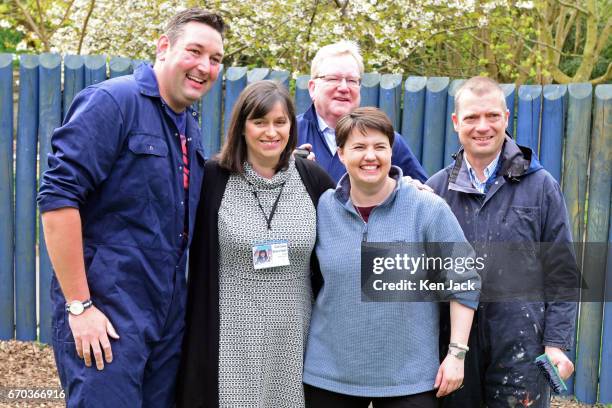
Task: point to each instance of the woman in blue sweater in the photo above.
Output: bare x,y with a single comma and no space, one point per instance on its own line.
385,353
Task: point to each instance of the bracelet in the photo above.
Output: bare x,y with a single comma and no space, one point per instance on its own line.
459,354
459,346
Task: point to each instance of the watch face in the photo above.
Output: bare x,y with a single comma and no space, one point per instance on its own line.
76,308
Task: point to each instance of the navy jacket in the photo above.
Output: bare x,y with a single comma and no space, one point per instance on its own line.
117,158
524,205
309,132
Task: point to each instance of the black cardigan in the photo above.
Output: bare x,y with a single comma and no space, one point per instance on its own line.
198,376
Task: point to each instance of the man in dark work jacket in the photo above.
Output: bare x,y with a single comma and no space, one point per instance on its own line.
499,192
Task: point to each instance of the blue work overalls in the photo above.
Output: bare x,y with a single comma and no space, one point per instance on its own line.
118,159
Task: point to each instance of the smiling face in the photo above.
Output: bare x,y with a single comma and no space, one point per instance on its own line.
267,137
187,68
367,158
334,100
481,122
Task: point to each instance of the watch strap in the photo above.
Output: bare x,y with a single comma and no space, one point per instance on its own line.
86,304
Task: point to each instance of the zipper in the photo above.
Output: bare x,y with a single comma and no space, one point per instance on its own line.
364,237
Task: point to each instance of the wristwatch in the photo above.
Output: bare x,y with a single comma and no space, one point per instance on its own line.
457,353
76,307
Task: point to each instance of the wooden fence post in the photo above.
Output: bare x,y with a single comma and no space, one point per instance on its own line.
575,166
95,69
370,89
280,76
7,300
210,115
74,80
302,96
235,82
509,92
605,380
451,138
414,113
120,66
553,128
600,186
25,199
434,127
257,74
576,159
390,98
49,118
528,122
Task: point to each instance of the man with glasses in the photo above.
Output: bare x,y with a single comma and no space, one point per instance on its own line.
334,88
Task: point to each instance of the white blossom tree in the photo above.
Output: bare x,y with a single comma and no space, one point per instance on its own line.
510,40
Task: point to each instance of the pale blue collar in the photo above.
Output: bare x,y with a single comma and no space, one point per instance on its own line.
489,171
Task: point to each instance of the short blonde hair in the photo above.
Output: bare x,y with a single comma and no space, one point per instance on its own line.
334,50
479,86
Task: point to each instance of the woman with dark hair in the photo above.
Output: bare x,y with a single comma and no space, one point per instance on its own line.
247,324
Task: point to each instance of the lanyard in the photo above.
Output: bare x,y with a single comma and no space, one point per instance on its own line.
273,211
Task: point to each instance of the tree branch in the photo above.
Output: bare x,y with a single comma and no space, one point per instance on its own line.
85,22
604,78
244,47
604,37
310,25
588,57
66,14
342,5
575,7
564,28
40,13
30,21
558,75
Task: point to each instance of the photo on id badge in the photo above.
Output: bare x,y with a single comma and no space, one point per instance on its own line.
270,254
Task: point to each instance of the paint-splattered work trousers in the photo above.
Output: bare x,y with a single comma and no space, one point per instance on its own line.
500,372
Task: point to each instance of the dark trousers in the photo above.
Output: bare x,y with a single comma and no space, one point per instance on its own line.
320,398
500,372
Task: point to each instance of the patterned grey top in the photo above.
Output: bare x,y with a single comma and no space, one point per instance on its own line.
264,313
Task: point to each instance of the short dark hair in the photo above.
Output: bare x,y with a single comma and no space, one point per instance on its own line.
255,101
364,119
174,28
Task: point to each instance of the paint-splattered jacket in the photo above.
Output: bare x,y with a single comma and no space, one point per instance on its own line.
523,205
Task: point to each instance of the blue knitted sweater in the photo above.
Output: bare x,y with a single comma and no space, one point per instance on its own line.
368,348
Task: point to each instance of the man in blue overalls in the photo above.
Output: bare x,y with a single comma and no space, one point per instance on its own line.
118,204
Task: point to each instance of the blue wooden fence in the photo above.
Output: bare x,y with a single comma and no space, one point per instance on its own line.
569,126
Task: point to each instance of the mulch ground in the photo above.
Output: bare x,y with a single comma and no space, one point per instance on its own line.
30,366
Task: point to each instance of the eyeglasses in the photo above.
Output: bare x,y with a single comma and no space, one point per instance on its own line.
335,80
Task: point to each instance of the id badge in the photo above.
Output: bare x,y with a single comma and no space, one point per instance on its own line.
270,254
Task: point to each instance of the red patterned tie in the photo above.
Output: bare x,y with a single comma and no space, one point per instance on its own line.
185,162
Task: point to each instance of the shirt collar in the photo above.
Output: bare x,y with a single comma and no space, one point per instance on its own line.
146,80
322,125
489,171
